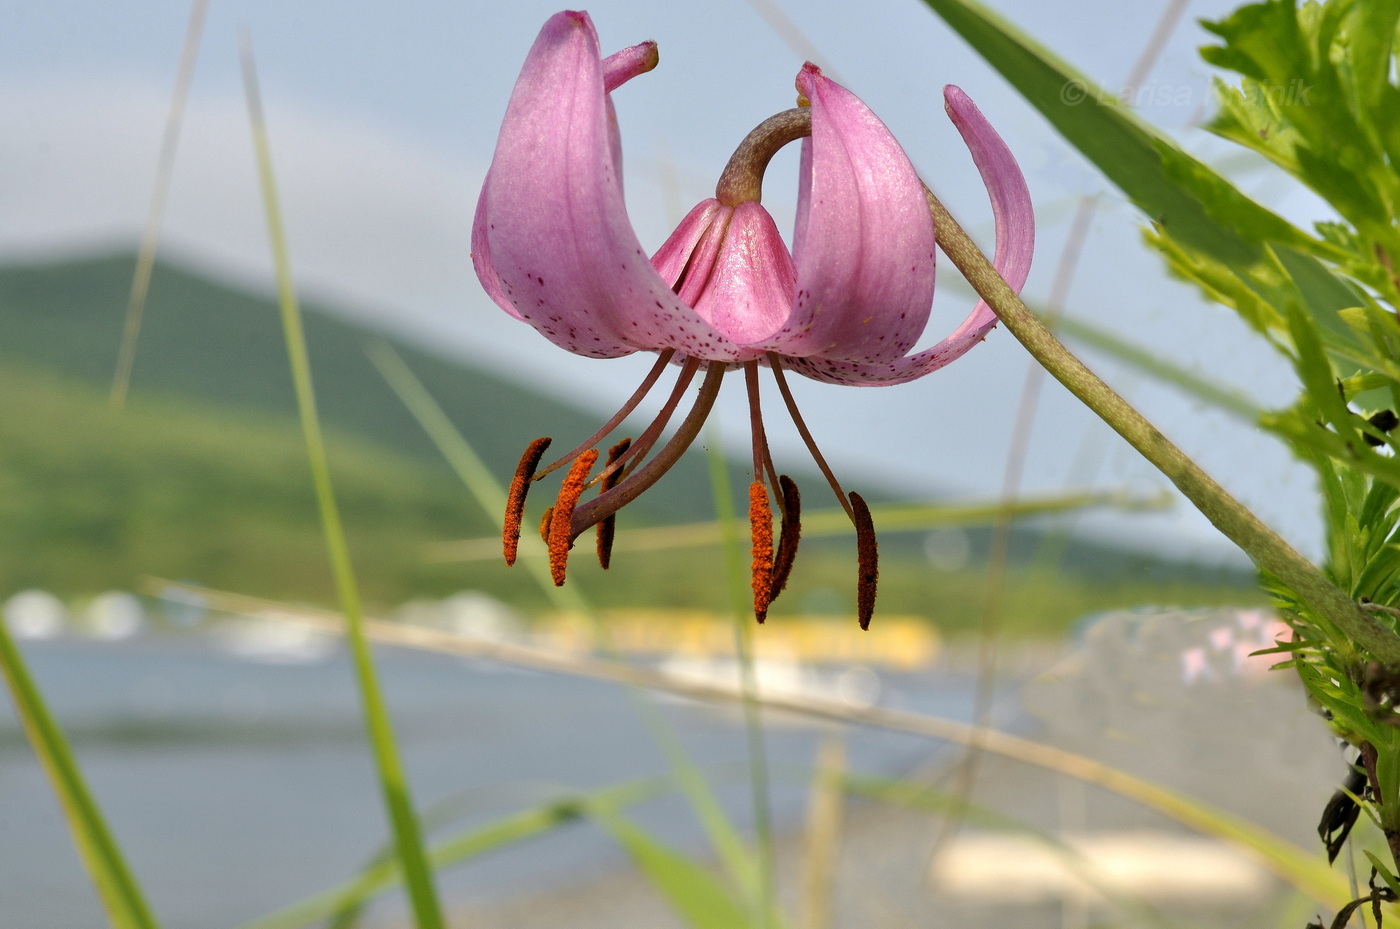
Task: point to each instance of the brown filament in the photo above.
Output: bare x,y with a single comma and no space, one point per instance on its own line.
789,534
647,383
632,458
515,501
560,538
633,485
761,531
607,528
775,363
867,557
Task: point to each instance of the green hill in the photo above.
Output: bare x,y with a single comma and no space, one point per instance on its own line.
205,341
203,476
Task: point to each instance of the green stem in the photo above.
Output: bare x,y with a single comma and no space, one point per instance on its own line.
1269,551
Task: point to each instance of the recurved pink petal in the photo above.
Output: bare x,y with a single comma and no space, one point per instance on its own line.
863,247
551,240
1015,245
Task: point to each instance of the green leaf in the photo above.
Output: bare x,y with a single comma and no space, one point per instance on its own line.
116,886
1324,294
384,873
1193,203
693,892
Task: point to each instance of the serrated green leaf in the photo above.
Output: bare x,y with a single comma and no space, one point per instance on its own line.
1192,202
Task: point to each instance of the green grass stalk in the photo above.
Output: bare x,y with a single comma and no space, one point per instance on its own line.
412,855
116,885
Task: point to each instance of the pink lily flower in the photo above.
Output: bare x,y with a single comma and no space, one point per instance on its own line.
553,246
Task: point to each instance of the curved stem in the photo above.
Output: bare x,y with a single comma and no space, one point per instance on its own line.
742,179
1266,548
605,504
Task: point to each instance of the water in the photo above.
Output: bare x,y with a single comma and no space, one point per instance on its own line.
238,787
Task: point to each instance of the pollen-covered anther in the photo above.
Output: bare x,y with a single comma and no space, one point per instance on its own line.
789,534
546,518
560,538
515,501
868,559
761,531
607,527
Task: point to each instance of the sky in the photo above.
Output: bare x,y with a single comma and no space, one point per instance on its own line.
383,121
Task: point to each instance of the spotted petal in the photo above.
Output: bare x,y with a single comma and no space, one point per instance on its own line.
1015,244
864,239
551,241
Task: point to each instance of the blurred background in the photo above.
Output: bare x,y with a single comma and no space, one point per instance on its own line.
382,124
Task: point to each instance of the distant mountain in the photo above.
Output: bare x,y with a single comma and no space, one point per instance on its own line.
205,341
217,352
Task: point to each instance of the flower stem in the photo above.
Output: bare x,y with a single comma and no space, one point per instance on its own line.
1269,551
742,179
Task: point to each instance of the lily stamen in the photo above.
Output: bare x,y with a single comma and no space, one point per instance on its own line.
777,366
868,559
607,528
867,550
560,538
515,501
761,535
789,534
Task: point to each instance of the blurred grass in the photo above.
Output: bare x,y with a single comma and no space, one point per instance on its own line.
91,500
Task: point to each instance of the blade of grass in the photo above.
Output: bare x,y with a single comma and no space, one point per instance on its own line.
499,833
693,892
826,811
379,728
739,609
723,837
1302,869
165,170
115,883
